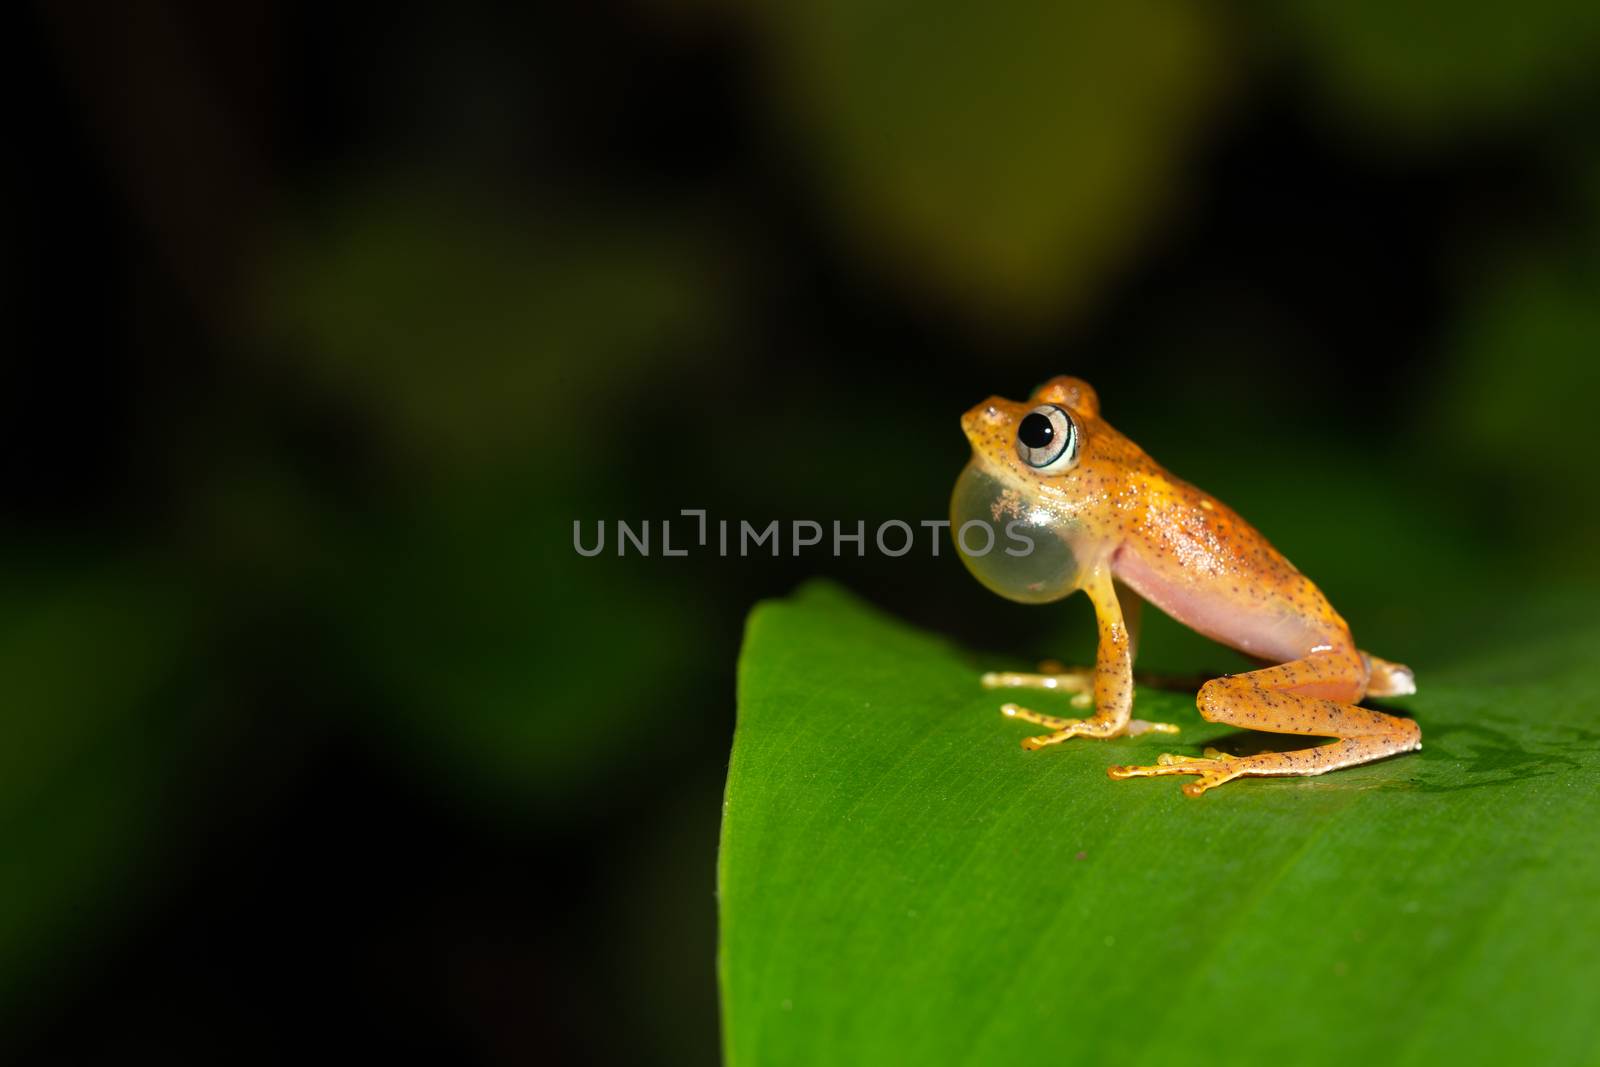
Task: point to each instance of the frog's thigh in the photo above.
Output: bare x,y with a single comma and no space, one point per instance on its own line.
1314,696
1304,697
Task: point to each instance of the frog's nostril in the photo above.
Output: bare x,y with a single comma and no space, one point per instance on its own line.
980,419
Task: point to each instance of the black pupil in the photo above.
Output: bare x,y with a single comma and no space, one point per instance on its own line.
1035,431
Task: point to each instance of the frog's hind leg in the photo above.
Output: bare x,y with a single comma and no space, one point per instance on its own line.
1314,696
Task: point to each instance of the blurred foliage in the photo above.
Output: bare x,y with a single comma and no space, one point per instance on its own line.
467,327
94,656
479,345
1436,68
1010,157
1513,412
502,660
899,881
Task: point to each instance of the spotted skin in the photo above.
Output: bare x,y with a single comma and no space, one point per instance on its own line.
1127,522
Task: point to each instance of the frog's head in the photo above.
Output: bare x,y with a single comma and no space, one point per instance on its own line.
1019,484
1041,437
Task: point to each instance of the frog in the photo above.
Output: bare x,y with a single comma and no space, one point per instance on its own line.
1054,501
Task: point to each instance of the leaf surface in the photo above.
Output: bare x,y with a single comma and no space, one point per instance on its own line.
901,883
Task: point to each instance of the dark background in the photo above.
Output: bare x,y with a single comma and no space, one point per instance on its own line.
328,322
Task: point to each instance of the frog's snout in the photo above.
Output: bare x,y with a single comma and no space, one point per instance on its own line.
982,419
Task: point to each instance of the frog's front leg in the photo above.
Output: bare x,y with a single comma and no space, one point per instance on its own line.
1079,681
1111,681
1314,696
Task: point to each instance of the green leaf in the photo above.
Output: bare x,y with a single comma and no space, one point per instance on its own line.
901,883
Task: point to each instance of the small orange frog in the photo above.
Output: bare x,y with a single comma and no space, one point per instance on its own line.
1071,504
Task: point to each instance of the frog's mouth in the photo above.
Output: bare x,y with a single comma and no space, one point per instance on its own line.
1007,541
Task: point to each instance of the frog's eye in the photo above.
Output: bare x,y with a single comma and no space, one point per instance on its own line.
1047,439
